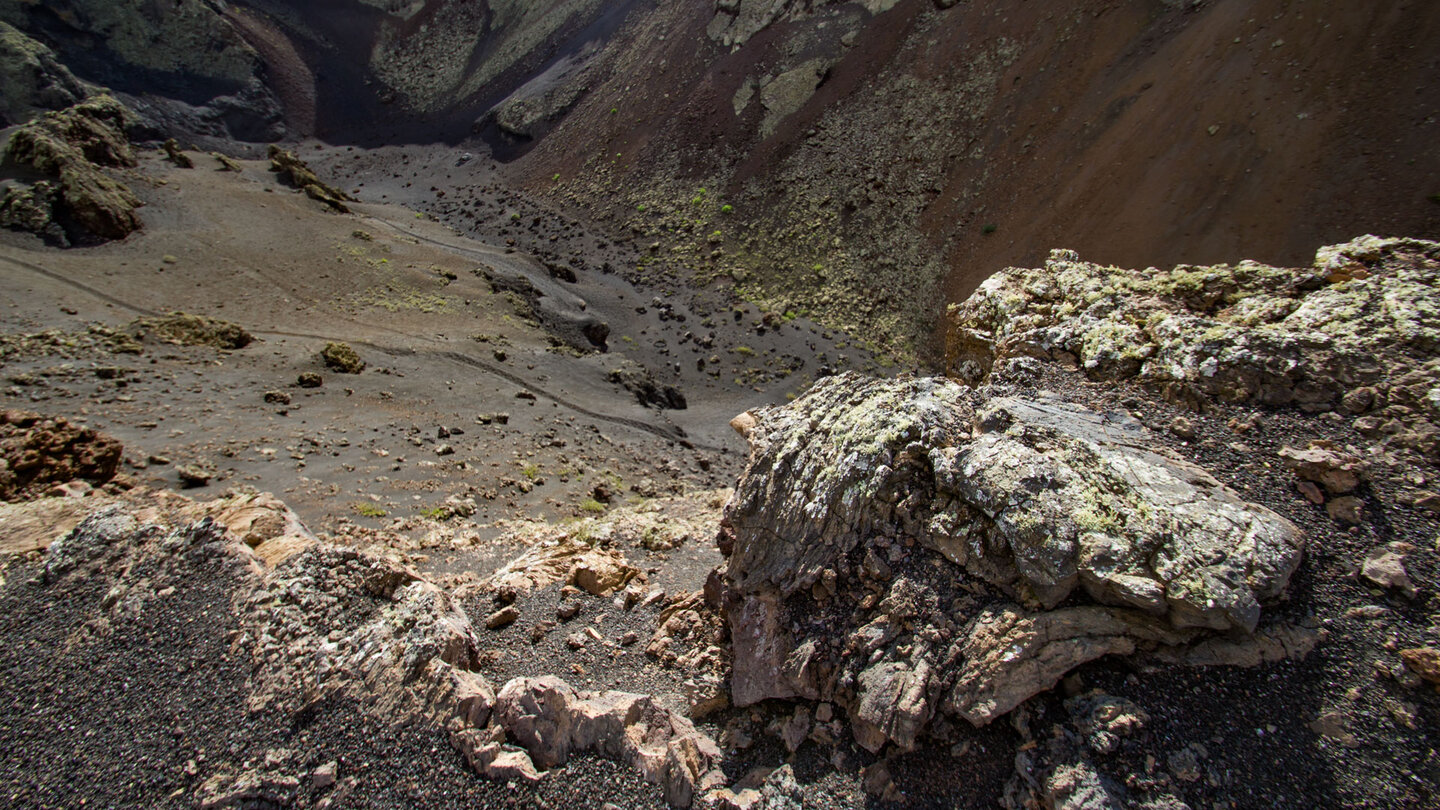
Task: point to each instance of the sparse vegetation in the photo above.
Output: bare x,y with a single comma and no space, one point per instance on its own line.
366,509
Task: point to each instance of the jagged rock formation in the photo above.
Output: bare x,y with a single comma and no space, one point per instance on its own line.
78,200
31,79
904,548
293,170
550,721
1357,332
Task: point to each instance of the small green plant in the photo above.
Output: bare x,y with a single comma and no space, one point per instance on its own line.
614,110
744,351
989,228
531,471
368,510
592,507
640,207
435,513
556,177
727,208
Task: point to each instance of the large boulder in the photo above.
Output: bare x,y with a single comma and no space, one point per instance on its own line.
72,148
905,549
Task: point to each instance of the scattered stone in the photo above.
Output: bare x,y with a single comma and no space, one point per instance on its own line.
1423,661
1335,470
277,397
324,776
309,379
1385,567
444,449
227,163
1346,509
639,381
293,170
1335,725
1183,428
502,618
339,357
194,475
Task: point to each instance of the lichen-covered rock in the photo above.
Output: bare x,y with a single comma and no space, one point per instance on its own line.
294,171
37,452
71,147
192,330
900,548
1359,330
32,79
342,358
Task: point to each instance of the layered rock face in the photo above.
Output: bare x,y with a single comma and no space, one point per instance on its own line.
1357,331
910,551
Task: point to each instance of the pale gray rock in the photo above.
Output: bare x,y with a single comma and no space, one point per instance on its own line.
900,548
1358,329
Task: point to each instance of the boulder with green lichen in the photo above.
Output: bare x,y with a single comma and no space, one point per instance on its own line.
72,148
908,549
1365,317
192,330
294,171
341,358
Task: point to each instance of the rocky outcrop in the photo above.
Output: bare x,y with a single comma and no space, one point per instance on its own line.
184,329
904,549
293,170
79,201
320,622
597,571
1357,332
38,452
639,381
32,80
